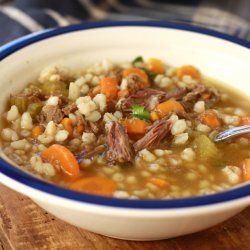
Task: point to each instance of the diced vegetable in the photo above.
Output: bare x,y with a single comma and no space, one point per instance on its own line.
246,169
159,182
97,185
67,124
21,102
151,75
154,116
79,129
156,66
35,108
36,131
138,72
139,112
123,93
188,70
210,118
136,128
206,149
109,87
137,60
169,106
54,88
62,159
245,120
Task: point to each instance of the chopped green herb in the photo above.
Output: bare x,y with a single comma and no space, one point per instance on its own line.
139,112
138,59
150,74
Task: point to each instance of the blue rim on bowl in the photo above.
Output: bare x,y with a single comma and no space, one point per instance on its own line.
26,179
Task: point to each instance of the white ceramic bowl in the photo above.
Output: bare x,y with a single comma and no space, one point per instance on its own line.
219,56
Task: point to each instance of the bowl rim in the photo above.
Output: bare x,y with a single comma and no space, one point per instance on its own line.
40,185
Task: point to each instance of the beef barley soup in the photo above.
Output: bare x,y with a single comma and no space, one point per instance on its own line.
138,130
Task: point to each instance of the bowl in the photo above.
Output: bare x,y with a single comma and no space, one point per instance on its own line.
219,56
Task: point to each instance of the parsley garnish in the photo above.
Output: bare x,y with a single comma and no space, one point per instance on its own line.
138,59
139,112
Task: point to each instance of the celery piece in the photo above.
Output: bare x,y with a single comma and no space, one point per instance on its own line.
206,149
35,108
54,88
21,102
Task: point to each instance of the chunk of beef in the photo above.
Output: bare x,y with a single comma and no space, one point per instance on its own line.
118,143
96,151
154,136
30,94
150,98
63,101
116,73
93,127
50,113
32,90
200,92
134,83
69,108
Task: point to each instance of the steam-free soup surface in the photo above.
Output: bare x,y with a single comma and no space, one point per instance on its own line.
138,130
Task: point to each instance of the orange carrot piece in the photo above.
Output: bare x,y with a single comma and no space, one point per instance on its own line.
210,118
136,128
36,131
138,72
169,106
97,185
156,66
159,182
79,129
154,116
67,124
246,169
62,159
188,70
245,120
123,93
109,87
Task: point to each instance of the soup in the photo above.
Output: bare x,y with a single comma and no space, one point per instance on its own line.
138,130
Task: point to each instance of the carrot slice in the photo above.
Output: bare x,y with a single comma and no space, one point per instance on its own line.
138,72
159,182
79,129
61,158
245,120
67,124
123,93
136,128
97,185
154,116
246,169
188,70
36,131
169,106
156,66
210,118
109,87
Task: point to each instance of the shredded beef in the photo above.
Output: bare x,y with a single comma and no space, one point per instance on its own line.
31,94
93,127
154,136
96,151
32,91
63,101
116,73
134,83
50,113
150,98
199,92
69,108
118,143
